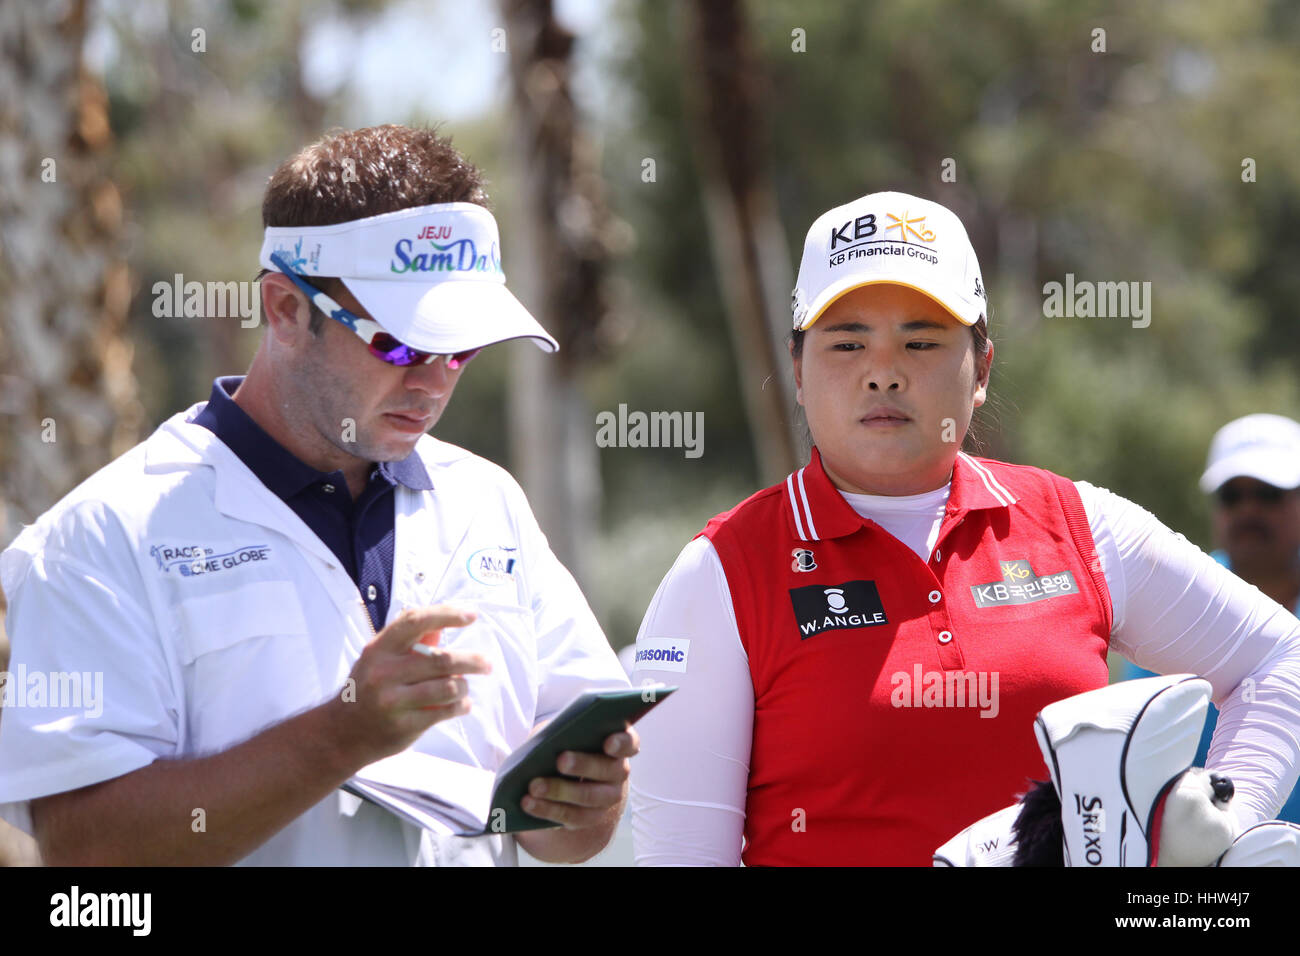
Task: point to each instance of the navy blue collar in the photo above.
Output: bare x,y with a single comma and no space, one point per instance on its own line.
274,465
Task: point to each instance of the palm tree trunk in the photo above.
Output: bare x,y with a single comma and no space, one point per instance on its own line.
749,248
67,391
561,248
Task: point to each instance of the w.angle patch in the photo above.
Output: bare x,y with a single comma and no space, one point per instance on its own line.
819,608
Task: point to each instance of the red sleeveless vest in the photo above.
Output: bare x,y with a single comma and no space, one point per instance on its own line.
894,698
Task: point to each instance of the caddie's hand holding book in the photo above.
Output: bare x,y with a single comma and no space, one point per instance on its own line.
456,799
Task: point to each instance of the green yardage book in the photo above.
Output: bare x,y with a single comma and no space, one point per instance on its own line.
582,727
463,800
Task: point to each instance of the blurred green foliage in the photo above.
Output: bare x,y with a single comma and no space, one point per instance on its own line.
1123,165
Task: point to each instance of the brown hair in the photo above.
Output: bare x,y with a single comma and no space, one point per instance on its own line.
354,174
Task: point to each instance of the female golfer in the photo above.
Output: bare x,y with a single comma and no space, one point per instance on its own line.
862,648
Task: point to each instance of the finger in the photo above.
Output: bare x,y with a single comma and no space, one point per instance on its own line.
459,709
624,744
439,692
431,637
439,662
596,796
573,818
425,717
415,622
593,766
416,721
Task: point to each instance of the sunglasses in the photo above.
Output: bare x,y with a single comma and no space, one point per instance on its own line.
383,345
1265,494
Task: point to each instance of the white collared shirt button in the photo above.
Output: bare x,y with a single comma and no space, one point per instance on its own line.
327,488
945,637
936,554
372,592
935,597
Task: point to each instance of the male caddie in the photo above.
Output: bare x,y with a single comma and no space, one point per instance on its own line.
253,582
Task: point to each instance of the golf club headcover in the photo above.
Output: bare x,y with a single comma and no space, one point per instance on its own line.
986,842
1114,754
1272,843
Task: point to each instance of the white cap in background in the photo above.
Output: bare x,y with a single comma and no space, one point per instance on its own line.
1263,447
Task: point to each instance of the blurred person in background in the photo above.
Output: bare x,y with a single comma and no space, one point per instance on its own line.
1253,480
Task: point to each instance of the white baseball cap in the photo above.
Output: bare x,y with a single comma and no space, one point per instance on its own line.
894,238
430,275
1263,447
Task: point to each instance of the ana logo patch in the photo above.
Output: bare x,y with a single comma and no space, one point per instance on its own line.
853,604
662,654
1019,585
493,566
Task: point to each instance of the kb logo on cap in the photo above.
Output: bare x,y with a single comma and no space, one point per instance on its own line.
863,226
905,226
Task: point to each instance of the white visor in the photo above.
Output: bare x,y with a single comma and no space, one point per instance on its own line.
431,275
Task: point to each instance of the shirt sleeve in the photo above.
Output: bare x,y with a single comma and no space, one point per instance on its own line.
690,781
89,694
1177,610
573,654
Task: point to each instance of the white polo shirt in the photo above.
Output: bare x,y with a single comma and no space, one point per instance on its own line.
205,610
